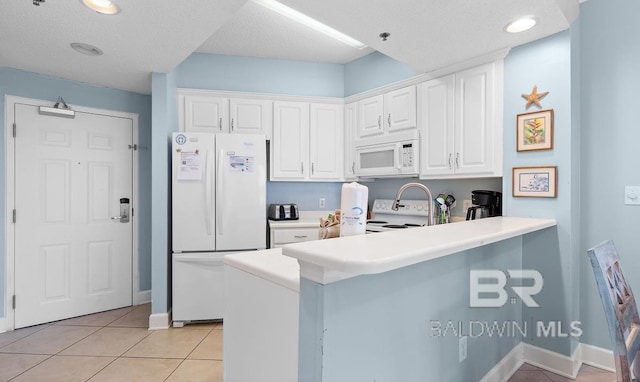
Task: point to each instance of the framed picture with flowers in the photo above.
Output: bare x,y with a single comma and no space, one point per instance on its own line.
535,182
535,131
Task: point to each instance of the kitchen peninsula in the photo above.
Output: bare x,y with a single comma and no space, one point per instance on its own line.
370,306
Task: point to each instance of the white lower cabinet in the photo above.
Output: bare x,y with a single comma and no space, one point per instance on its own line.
307,141
283,236
461,124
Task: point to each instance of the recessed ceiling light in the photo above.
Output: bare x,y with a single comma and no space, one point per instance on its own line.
102,6
87,49
521,24
310,22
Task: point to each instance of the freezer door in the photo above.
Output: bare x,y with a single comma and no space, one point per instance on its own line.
197,286
193,192
241,178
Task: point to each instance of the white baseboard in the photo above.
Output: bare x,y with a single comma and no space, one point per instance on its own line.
598,357
551,361
554,362
142,297
159,321
4,325
508,365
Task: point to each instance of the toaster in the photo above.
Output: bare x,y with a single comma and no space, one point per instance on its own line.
283,212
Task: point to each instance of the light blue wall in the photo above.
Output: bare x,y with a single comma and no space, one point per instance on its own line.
31,85
261,75
380,327
372,71
164,121
610,56
547,64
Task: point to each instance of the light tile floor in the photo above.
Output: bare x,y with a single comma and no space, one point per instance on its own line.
112,346
116,346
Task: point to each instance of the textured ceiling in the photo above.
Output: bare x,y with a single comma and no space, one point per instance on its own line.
156,35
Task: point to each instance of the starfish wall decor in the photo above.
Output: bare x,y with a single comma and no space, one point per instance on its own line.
534,97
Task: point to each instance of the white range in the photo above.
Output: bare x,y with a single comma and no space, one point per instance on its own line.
411,213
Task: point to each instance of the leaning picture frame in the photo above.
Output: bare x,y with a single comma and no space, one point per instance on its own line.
535,182
534,131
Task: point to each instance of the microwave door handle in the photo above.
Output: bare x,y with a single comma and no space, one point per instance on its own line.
399,148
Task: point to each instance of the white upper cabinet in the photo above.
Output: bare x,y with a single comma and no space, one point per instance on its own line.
350,119
400,109
437,113
214,114
307,141
205,114
370,116
251,116
387,113
290,143
325,141
461,124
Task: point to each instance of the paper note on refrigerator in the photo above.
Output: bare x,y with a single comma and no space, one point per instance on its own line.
189,167
239,163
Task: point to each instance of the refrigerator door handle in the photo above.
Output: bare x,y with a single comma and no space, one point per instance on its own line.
220,192
208,188
199,259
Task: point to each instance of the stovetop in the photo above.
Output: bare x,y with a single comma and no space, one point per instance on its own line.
410,214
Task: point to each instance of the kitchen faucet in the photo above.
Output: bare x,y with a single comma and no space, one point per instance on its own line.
396,202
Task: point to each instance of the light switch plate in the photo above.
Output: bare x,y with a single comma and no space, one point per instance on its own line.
632,195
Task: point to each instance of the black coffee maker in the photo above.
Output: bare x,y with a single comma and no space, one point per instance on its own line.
485,204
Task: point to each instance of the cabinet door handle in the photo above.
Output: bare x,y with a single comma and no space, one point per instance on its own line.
313,168
457,160
220,124
450,160
380,122
300,236
231,124
353,167
389,119
301,167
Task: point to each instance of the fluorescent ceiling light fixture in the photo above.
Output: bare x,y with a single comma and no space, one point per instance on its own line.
105,7
520,25
312,23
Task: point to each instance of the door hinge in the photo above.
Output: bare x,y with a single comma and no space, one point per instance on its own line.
14,216
14,129
13,302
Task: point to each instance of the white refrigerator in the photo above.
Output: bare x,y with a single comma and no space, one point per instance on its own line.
218,207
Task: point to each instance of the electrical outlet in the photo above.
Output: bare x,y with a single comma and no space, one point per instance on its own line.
466,204
322,203
462,349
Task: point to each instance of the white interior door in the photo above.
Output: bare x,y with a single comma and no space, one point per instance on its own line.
71,257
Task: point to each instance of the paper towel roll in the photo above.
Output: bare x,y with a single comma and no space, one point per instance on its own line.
353,206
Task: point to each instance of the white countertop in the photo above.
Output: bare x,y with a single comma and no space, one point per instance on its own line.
268,264
327,261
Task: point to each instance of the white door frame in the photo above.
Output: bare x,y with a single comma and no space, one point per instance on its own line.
8,322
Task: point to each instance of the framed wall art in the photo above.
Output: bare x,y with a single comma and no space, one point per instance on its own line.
535,131
535,182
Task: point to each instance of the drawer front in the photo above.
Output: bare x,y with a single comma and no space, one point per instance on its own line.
283,236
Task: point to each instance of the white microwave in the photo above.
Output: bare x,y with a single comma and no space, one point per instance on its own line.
394,155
